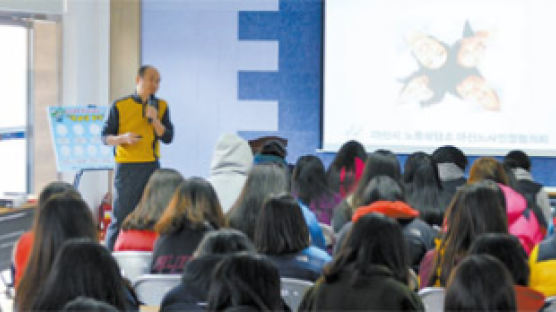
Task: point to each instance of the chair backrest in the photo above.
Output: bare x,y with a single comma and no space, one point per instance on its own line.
433,298
151,288
549,304
329,235
292,290
133,263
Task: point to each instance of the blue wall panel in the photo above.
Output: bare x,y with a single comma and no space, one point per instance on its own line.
181,36
298,27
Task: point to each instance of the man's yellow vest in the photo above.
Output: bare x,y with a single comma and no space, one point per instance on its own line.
131,119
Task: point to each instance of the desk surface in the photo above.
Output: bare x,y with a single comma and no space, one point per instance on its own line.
551,190
4,210
13,223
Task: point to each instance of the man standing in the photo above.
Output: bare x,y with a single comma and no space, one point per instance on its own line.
134,125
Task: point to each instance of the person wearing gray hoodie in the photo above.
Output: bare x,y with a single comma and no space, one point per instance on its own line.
231,162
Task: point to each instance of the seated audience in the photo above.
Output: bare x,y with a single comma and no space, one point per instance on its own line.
183,224
522,222
231,162
224,241
370,272
88,304
451,163
272,152
245,282
422,187
380,162
62,217
542,264
347,168
84,268
520,164
137,232
508,250
22,248
282,235
476,209
310,187
191,293
480,283
384,195
202,193
263,181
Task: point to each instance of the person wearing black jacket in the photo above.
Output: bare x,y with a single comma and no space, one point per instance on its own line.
191,293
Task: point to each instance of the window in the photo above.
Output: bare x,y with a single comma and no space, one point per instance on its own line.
14,103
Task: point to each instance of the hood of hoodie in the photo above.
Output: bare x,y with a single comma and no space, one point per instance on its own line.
232,155
522,174
449,172
515,203
392,209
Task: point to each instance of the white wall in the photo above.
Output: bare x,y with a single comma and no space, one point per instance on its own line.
86,72
195,45
34,6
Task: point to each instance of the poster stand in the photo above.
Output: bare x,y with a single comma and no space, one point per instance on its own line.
76,137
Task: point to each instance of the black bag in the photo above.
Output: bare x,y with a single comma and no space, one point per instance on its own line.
529,190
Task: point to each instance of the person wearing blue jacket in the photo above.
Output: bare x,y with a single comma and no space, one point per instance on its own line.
283,236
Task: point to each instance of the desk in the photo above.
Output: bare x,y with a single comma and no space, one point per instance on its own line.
13,223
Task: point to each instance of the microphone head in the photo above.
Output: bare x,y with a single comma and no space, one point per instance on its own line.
152,102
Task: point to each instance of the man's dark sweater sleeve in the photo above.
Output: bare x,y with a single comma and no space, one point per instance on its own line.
110,126
168,134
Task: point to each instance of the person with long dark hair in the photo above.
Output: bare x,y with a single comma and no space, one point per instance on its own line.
508,250
22,248
422,187
81,304
193,210
84,268
263,181
137,231
347,168
380,162
522,221
310,187
245,282
191,293
224,241
62,217
282,234
370,272
386,196
480,283
476,209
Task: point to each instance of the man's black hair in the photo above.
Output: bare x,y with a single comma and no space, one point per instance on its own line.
517,159
142,70
450,154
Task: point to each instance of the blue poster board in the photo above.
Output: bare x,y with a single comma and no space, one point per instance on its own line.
76,135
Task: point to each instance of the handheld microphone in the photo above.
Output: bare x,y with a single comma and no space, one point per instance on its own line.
154,103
